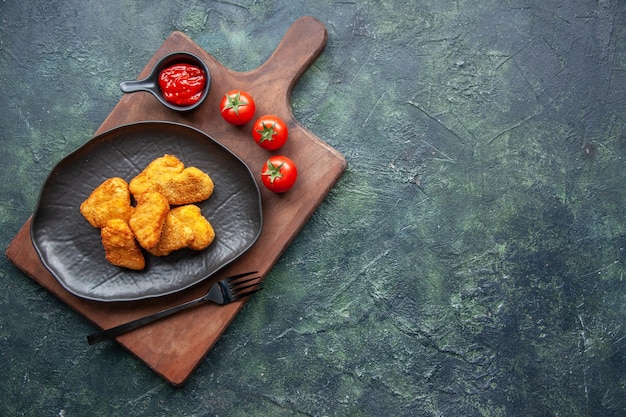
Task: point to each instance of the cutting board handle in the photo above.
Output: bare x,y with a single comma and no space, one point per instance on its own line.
302,44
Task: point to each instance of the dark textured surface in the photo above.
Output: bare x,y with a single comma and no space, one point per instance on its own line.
468,263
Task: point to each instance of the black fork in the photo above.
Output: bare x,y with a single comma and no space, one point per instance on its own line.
222,292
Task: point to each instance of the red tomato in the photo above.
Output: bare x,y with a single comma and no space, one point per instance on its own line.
270,132
279,173
237,107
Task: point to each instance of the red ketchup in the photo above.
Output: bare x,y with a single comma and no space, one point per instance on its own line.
182,84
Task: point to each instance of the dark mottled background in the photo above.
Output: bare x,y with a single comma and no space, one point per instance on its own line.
468,263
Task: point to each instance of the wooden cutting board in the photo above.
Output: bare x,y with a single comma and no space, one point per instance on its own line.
175,346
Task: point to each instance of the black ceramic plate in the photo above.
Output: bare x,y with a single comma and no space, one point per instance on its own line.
71,248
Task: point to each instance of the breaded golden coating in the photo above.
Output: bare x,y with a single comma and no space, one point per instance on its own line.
168,176
165,166
203,232
110,200
175,235
190,186
151,224
185,227
120,246
148,219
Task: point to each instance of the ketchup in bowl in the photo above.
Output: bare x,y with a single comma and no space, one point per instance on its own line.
180,81
182,84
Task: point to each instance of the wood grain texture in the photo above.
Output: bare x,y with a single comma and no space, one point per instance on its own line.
175,346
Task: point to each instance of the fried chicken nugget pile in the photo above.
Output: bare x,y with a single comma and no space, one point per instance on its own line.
152,224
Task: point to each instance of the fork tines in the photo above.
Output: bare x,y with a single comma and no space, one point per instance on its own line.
237,287
245,286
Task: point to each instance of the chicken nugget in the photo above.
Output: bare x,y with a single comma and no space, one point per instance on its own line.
120,246
191,216
185,227
110,200
148,179
175,235
190,186
148,218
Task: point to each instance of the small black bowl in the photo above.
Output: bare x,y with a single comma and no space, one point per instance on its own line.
151,82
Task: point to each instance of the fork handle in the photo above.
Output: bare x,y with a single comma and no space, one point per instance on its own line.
131,325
